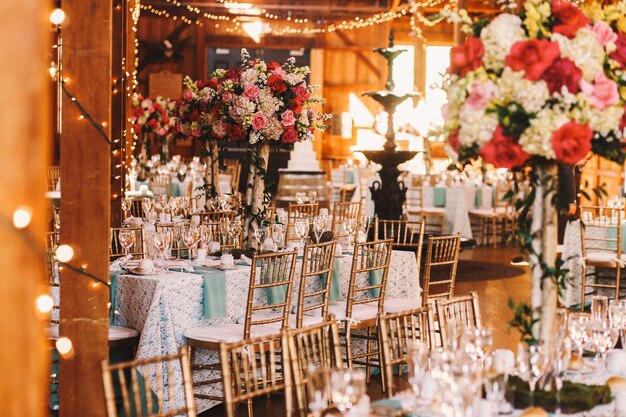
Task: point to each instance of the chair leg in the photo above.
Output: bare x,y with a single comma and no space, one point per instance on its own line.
348,346
493,232
582,287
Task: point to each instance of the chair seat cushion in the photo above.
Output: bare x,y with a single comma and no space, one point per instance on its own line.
306,320
226,333
396,305
115,332
491,212
360,312
603,257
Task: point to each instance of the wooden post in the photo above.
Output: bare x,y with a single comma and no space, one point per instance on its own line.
459,36
25,137
85,204
118,110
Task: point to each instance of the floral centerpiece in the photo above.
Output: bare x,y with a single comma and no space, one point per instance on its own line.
263,105
150,119
546,85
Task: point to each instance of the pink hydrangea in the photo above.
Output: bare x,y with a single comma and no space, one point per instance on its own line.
481,94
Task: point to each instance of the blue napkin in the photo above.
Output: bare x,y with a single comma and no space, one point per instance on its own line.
213,292
349,177
439,197
335,282
376,277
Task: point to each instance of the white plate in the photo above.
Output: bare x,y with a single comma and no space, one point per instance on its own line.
140,271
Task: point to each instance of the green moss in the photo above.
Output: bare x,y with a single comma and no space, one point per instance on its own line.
574,397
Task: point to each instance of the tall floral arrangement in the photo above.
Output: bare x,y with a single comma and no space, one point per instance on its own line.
192,116
262,105
545,85
151,119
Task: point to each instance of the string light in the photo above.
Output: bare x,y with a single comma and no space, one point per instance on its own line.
44,303
64,253
65,347
22,218
84,114
57,17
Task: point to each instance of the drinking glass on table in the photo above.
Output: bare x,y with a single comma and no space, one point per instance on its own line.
318,388
234,230
601,336
278,234
164,200
319,227
312,196
191,237
300,198
347,388
146,206
126,205
418,366
260,233
578,326
563,354
349,225
127,239
537,364
494,382
477,342
302,230
599,307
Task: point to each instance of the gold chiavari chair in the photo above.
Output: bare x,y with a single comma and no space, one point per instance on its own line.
463,311
406,235
273,272
136,207
53,176
365,300
139,248
129,374
215,229
296,212
601,243
254,368
399,332
342,212
497,220
161,184
318,261
434,217
216,216
177,229
317,345
442,254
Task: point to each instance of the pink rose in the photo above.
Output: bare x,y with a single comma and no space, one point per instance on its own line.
288,119
481,94
603,92
251,91
187,95
604,33
227,96
151,109
161,132
259,121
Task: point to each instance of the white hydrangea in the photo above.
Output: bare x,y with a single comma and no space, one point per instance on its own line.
476,127
532,95
304,118
605,121
207,93
585,50
268,104
292,79
273,129
249,76
498,37
537,139
255,137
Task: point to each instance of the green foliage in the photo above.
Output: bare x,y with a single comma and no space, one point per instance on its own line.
575,398
479,25
609,147
512,117
523,321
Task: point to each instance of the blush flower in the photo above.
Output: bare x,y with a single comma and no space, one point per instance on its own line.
259,121
604,33
251,91
466,57
287,118
481,94
603,92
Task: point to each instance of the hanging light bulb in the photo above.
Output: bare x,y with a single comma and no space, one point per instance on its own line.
57,16
64,253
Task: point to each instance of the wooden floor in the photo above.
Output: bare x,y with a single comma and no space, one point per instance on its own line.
493,295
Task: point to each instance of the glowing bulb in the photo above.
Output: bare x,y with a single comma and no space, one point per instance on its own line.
57,17
21,218
52,70
65,347
65,253
44,303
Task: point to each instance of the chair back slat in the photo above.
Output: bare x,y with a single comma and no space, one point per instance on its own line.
462,310
216,216
270,271
307,211
443,251
398,333
132,395
318,260
343,211
604,232
139,248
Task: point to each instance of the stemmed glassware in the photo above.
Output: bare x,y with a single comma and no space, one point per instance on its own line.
318,388
302,230
163,242
418,365
563,354
260,234
537,363
349,225
477,342
578,325
278,234
347,388
147,206
126,205
312,196
234,230
599,307
601,335
164,199
494,382
127,239
191,237
319,227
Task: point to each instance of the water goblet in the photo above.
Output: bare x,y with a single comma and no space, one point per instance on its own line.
578,326
318,388
599,307
561,360
234,230
347,388
260,234
494,382
364,225
349,225
278,234
300,198
126,206
302,230
164,199
191,237
418,365
312,196
127,239
601,339
319,226
537,363
145,206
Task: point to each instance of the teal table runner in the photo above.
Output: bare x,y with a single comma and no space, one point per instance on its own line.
439,196
335,282
213,292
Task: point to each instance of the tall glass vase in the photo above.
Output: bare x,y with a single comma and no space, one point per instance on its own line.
544,242
255,190
211,176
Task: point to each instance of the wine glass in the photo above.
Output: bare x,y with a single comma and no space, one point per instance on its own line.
562,357
537,362
477,341
418,365
312,196
302,230
127,239
601,336
318,388
224,224
234,230
349,225
364,225
319,226
164,200
494,381
260,234
300,198
191,237
578,324
146,207
126,205
278,234
599,307
347,388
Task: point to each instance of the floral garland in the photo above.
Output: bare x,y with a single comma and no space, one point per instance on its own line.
549,83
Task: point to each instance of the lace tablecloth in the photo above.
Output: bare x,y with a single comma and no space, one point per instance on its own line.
162,307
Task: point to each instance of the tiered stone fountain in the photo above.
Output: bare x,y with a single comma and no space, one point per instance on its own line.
389,193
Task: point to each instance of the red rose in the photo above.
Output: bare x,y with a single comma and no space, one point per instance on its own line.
165,119
136,129
302,92
568,17
622,123
503,151
212,82
289,136
562,72
454,142
235,133
137,111
271,66
194,116
572,142
533,57
466,57
619,54
295,105
232,74
153,123
276,83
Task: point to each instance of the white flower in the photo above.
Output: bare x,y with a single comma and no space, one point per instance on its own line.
268,104
249,76
605,121
273,129
255,137
476,127
498,37
584,50
292,79
532,95
537,139
304,119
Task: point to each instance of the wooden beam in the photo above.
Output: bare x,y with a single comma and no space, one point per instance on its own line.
360,55
201,54
131,68
118,109
24,142
85,200
459,37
